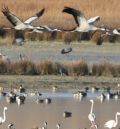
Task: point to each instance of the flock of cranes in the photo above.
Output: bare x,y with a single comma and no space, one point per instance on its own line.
83,25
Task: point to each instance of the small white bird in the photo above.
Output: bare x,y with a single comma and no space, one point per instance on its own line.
3,119
112,123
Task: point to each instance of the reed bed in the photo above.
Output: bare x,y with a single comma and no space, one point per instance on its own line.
48,67
106,69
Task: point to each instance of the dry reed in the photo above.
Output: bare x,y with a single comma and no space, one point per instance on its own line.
108,10
48,67
76,68
106,69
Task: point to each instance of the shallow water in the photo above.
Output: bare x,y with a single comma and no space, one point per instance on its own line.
90,57
37,51
32,114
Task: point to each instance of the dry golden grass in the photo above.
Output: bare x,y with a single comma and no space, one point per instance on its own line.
108,10
106,69
25,67
76,68
48,67
45,68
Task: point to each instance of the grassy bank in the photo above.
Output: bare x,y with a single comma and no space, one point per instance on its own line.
61,82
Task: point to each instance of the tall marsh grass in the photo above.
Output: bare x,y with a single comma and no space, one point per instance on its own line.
106,69
48,67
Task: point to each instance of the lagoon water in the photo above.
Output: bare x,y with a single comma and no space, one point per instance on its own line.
32,114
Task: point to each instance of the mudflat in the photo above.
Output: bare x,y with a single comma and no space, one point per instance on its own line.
48,81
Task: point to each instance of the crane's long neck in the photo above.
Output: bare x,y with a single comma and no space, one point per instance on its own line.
116,122
4,116
91,108
45,126
58,126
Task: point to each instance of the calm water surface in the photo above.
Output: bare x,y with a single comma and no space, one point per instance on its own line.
32,114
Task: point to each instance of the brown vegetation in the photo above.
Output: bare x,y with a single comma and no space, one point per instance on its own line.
47,67
106,69
8,36
108,10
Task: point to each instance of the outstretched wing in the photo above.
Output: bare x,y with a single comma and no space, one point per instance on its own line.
92,20
11,17
34,17
76,14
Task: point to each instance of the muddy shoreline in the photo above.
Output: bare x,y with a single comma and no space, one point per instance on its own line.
48,82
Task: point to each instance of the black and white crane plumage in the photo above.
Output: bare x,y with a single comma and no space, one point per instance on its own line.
112,32
66,50
19,24
83,25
